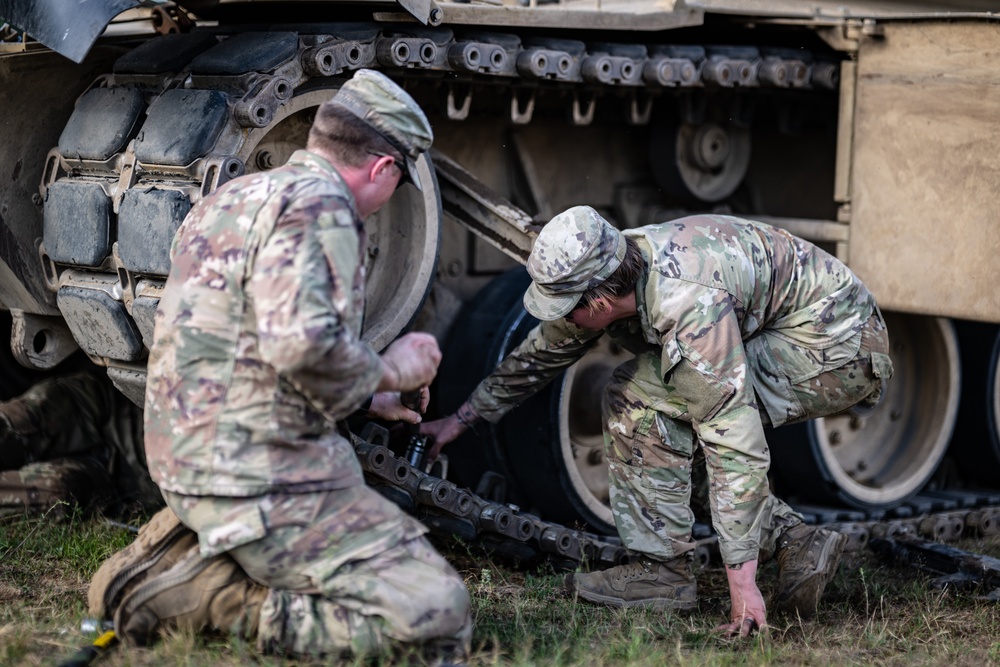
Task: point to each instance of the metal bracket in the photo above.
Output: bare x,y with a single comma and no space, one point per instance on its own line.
125,277
40,341
426,11
459,112
127,177
848,35
218,169
49,268
51,172
519,115
584,115
639,112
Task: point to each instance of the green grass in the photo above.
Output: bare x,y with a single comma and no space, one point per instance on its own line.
873,614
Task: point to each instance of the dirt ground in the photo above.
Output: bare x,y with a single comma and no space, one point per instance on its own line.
873,613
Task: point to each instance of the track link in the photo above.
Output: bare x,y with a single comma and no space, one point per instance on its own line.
450,511
503,529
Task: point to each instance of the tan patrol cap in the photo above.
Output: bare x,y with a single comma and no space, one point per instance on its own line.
576,251
389,110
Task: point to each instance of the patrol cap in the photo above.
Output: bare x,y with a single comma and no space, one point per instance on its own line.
576,251
389,110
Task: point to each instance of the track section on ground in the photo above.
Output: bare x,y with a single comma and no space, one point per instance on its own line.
503,529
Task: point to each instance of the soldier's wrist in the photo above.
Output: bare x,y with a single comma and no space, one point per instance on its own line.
390,376
741,575
467,417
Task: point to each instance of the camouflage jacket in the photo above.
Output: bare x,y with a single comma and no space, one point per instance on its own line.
256,349
716,284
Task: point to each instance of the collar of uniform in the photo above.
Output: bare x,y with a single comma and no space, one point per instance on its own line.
640,291
312,161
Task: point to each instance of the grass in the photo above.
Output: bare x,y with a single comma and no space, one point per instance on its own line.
873,614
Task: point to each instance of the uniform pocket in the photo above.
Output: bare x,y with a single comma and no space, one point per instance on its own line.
770,378
882,370
837,355
801,363
881,365
238,527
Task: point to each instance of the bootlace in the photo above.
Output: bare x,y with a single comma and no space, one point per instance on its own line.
632,571
789,550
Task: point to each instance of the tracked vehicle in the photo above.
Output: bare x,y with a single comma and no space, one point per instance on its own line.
868,128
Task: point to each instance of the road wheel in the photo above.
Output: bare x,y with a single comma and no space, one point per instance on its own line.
879,458
549,449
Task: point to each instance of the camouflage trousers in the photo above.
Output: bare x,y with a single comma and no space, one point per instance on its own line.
349,572
55,418
54,487
72,439
657,467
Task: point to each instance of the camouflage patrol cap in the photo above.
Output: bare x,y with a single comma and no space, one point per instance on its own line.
576,251
389,110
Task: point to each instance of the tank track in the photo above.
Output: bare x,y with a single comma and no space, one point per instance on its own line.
450,511
181,114
251,75
255,73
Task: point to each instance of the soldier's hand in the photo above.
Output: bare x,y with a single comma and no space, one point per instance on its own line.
389,406
410,363
747,614
417,400
442,431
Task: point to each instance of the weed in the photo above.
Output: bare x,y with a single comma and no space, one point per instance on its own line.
872,615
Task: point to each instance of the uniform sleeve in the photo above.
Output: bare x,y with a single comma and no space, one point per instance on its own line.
712,377
301,288
549,349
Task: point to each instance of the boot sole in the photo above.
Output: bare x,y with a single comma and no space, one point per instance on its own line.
831,553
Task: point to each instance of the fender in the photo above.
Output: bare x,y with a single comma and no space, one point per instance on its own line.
71,28
68,28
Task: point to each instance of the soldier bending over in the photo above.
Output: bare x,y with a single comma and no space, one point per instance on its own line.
735,326
256,359
74,439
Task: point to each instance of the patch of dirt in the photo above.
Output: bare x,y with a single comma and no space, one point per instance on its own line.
10,593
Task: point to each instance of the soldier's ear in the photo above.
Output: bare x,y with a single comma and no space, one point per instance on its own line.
382,166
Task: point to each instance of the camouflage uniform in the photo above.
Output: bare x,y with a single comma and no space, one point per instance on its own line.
257,356
73,438
740,326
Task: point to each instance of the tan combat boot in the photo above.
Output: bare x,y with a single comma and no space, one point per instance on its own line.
644,583
196,594
161,543
807,559
445,653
